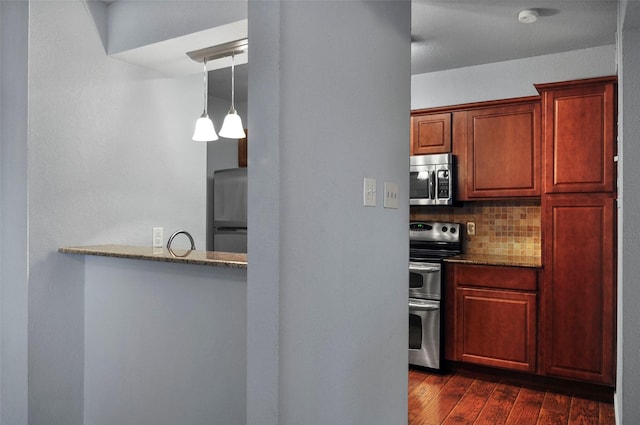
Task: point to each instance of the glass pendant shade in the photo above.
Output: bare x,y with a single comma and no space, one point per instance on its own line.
232,124
204,131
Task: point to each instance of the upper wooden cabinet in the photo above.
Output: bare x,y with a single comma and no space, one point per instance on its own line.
503,151
579,146
430,133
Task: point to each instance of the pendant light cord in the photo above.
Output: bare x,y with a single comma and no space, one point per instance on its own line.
233,84
206,86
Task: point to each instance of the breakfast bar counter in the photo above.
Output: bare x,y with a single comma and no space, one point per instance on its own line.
205,258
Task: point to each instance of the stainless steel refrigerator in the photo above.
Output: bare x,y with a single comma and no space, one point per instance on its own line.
230,210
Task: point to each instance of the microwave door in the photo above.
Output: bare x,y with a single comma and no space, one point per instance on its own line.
422,186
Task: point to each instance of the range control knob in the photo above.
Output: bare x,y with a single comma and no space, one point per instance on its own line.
444,229
453,230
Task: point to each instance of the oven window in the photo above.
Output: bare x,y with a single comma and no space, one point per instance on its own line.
415,332
415,281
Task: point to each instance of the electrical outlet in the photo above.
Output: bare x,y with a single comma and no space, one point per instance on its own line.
390,195
158,237
369,192
471,228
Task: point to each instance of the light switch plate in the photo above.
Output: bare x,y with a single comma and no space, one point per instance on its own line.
391,195
369,192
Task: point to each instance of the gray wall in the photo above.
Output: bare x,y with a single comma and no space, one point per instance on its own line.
110,157
13,211
165,343
221,154
503,80
134,23
628,373
63,156
327,282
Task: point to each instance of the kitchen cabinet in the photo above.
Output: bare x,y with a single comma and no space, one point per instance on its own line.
579,135
242,149
578,296
495,316
430,133
578,292
503,146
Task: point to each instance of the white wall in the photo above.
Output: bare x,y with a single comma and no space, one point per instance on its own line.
503,80
165,343
327,282
628,371
13,212
110,156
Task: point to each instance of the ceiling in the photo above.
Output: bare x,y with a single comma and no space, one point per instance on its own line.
448,34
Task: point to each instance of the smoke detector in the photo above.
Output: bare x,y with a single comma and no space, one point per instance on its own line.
528,16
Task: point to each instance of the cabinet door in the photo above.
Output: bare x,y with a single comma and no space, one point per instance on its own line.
496,328
579,136
430,133
242,150
503,151
578,290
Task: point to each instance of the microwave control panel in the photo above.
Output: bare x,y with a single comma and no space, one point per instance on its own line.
443,184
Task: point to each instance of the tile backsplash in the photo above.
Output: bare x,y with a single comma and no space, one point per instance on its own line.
502,227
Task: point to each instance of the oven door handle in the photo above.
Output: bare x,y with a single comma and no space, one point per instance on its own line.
424,306
423,269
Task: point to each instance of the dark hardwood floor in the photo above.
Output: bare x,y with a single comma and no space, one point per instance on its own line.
459,399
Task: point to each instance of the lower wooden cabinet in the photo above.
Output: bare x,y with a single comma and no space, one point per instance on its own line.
578,295
495,316
496,328
557,322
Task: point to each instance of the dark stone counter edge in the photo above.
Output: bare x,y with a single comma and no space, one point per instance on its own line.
205,258
496,260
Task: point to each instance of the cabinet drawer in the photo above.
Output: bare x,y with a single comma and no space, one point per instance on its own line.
497,277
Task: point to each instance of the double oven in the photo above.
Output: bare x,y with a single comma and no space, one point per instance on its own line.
430,243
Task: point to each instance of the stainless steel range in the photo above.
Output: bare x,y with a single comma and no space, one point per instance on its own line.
430,242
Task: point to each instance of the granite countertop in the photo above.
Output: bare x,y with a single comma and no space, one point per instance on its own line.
496,260
206,258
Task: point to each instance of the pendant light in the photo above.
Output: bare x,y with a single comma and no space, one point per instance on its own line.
204,131
232,125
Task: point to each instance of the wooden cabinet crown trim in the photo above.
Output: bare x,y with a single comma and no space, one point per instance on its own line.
476,105
576,83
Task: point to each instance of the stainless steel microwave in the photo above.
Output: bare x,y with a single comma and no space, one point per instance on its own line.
431,179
